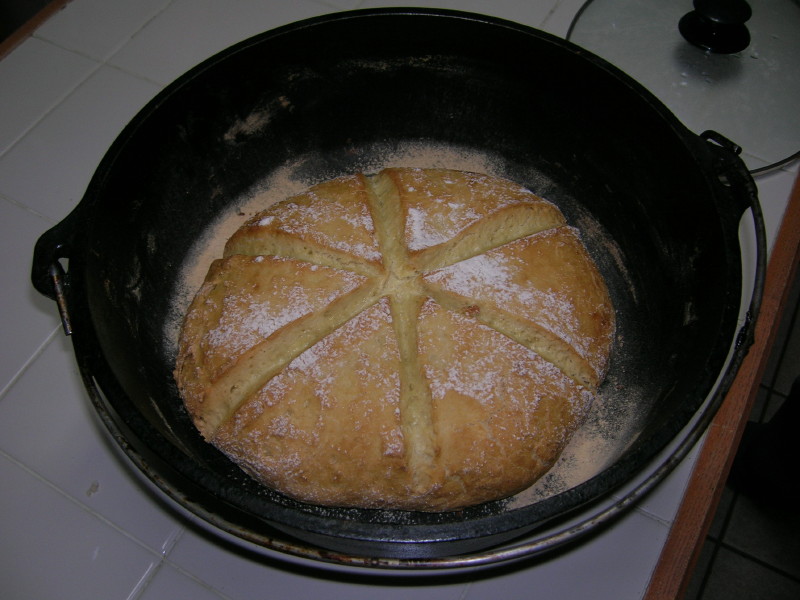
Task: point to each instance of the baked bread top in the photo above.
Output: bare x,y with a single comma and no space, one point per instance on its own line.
419,339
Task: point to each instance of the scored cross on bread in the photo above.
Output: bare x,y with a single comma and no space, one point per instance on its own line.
419,339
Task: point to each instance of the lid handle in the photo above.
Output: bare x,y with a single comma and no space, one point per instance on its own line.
717,25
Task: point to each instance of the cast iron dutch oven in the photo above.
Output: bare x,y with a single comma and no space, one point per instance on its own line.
659,208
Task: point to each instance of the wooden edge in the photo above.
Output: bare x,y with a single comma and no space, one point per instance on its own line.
684,543
31,25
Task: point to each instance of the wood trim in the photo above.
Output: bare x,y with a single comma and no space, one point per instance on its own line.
31,25
679,556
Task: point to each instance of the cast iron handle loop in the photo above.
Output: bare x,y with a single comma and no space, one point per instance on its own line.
733,174
717,25
47,272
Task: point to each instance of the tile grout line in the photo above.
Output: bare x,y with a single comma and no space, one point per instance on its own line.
44,115
99,63
718,540
107,59
26,29
151,573
145,580
190,575
651,515
16,203
757,412
161,556
166,548
759,561
112,51
465,591
59,101
709,568
27,364
89,510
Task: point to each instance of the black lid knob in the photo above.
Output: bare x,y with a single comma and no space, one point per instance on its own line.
717,25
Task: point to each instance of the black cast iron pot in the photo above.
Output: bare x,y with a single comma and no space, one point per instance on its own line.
659,208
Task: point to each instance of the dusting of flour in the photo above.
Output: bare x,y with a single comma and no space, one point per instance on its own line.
289,181
610,428
613,419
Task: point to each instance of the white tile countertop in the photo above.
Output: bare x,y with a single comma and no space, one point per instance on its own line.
76,520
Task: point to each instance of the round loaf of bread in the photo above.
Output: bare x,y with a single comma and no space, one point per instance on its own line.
418,339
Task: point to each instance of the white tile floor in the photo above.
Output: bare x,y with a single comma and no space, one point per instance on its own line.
75,519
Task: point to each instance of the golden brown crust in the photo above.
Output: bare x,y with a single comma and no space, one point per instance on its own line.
418,340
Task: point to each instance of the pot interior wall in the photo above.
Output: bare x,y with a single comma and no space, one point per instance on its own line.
355,95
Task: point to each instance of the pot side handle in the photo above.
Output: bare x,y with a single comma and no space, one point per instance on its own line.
737,181
48,273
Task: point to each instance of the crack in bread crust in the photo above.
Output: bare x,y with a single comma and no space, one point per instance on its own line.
405,234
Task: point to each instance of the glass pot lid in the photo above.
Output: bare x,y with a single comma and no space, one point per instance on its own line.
727,65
